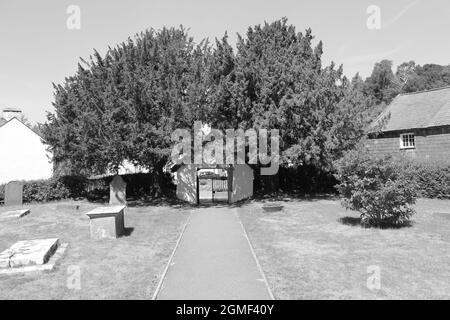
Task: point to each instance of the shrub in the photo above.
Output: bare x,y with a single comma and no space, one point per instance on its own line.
376,187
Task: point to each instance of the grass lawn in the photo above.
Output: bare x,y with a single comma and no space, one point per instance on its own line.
307,253
126,268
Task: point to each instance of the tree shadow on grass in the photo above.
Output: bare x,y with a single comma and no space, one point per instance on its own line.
293,196
155,201
356,221
350,221
144,201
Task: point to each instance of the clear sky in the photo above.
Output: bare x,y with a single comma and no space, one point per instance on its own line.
37,48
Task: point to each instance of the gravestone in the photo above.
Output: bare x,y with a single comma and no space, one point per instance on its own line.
14,193
117,191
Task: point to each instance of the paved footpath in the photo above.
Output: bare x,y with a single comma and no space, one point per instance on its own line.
214,260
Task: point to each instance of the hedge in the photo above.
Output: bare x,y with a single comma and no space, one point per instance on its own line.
432,179
51,189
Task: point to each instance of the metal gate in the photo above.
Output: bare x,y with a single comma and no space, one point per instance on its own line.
219,184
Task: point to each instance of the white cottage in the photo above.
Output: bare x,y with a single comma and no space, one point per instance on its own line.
23,155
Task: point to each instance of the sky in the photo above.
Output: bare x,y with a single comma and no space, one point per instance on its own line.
37,48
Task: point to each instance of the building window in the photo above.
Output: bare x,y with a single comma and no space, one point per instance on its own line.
407,141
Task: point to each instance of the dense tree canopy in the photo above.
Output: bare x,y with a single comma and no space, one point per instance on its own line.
125,105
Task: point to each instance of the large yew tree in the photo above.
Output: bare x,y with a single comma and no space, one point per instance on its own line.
125,105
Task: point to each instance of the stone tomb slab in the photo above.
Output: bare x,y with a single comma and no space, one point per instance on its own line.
28,252
49,266
106,222
15,214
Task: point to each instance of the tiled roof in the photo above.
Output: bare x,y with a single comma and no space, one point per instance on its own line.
2,121
417,110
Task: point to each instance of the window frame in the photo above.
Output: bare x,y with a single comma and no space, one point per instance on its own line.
408,134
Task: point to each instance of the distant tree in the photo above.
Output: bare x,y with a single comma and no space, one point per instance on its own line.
406,71
25,120
427,77
382,83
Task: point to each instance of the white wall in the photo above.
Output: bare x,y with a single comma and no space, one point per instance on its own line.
187,183
23,156
242,182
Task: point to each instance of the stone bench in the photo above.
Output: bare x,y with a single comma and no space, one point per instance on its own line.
107,222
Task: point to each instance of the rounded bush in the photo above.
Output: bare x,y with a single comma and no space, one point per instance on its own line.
376,187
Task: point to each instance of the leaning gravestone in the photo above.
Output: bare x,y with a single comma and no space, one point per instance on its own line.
117,191
15,214
14,193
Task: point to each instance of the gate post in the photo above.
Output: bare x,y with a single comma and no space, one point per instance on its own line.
230,182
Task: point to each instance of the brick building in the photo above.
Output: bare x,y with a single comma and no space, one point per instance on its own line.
415,124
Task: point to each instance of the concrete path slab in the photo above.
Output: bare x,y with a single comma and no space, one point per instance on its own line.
214,260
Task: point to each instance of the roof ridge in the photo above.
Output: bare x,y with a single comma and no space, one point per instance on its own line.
423,91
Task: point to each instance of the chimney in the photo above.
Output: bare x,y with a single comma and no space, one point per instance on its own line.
10,113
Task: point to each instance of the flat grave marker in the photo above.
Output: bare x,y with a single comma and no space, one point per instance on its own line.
28,252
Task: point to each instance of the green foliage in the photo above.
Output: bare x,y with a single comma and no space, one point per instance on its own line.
139,186
125,106
53,189
382,84
432,179
44,191
428,76
278,82
376,187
